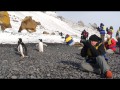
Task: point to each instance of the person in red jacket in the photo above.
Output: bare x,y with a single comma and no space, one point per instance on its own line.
110,44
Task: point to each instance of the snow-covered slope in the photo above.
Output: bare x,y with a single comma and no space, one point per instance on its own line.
49,22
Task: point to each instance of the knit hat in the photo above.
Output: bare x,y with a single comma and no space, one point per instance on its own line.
111,27
95,38
67,35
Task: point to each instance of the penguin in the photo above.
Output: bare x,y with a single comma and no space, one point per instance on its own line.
40,45
22,49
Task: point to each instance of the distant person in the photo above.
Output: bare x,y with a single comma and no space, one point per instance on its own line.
84,36
110,31
61,34
110,44
118,38
93,52
107,30
69,40
102,30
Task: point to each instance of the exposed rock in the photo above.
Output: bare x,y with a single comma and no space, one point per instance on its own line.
45,32
80,23
14,77
29,24
52,33
4,20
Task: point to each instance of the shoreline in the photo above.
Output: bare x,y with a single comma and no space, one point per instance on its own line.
58,61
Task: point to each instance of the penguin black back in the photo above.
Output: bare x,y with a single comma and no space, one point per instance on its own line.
24,46
40,40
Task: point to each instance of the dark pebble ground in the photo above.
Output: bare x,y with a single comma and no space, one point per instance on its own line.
58,61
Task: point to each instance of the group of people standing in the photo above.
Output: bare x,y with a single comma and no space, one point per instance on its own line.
110,43
106,36
95,49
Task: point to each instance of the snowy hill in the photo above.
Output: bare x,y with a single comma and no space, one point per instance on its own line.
49,22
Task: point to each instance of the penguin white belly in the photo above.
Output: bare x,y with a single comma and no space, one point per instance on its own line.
20,49
40,46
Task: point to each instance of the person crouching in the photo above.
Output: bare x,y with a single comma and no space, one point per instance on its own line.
69,40
110,44
94,52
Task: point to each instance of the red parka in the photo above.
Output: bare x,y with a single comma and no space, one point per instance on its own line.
111,44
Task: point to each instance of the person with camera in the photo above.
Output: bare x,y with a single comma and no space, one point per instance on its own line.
93,52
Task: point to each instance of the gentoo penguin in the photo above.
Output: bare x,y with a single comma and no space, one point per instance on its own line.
40,45
22,49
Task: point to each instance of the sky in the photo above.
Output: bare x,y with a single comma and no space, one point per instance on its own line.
109,18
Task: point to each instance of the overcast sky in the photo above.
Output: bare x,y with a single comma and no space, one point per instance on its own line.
109,18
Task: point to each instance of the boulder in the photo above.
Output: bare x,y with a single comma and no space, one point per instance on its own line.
52,33
45,32
29,24
4,20
80,23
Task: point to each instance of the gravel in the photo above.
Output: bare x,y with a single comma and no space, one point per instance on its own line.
58,61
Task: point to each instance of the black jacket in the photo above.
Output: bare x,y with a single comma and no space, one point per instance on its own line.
95,52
